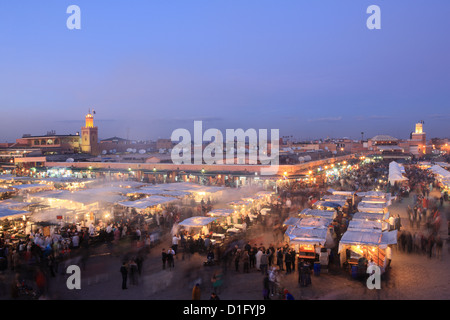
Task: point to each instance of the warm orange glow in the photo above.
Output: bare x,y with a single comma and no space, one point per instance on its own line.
89,121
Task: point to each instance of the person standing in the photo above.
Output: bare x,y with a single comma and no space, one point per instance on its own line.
196,292
164,258
280,259
124,272
258,259
133,269
264,262
170,258
237,257
287,261
175,241
245,261
252,256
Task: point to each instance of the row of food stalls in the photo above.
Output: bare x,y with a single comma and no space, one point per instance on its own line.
367,235
87,203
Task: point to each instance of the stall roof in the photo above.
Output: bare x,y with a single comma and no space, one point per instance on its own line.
341,193
438,170
9,213
292,221
375,238
374,200
318,213
147,202
241,202
220,212
159,191
372,207
374,194
13,204
365,225
308,222
197,221
335,197
331,204
370,216
311,236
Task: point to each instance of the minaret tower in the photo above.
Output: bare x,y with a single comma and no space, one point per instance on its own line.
89,136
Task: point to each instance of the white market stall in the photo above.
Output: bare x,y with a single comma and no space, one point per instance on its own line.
396,173
371,245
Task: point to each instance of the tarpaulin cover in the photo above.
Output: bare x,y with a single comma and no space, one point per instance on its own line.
7,213
147,202
365,225
197,221
375,238
318,213
370,216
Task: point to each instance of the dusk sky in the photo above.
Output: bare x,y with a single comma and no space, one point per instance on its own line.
309,68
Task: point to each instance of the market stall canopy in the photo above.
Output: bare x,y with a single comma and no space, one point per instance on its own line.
311,236
220,212
85,197
376,200
160,192
51,215
370,216
335,198
373,194
375,238
441,172
292,221
147,202
372,207
13,204
331,205
318,213
9,213
309,222
366,225
341,193
197,221
241,202
396,173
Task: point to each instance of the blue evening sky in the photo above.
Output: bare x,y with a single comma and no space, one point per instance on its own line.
309,68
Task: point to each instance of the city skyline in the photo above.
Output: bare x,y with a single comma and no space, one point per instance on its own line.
311,70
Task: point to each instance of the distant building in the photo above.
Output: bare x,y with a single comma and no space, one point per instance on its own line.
50,143
385,145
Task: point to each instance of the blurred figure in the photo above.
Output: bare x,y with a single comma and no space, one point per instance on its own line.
124,272
196,292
